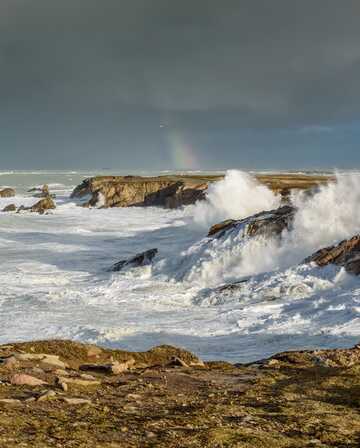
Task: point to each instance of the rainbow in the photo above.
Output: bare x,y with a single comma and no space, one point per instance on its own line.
182,153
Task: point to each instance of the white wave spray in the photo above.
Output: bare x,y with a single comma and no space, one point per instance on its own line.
328,216
237,196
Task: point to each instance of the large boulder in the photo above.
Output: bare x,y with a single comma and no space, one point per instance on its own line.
7,193
268,223
126,191
142,259
43,205
40,207
345,254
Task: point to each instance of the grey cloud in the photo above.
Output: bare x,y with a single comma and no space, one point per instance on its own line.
204,64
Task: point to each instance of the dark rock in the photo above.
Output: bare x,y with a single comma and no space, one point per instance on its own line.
7,193
141,259
177,362
345,254
268,223
10,208
114,368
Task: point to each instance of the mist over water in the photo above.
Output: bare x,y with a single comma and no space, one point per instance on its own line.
55,282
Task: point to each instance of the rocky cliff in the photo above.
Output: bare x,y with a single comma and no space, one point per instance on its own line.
118,191
173,191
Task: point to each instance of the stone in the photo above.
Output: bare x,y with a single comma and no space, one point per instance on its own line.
44,358
142,259
267,223
10,363
47,395
345,254
114,368
22,379
43,205
10,401
63,386
9,208
76,401
93,351
85,376
78,381
61,372
7,193
177,362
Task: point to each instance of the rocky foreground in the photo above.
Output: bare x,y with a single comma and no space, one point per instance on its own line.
66,394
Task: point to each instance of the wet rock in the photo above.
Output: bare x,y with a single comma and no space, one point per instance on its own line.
43,205
21,379
9,208
114,368
142,259
345,254
7,193
42,192
268,223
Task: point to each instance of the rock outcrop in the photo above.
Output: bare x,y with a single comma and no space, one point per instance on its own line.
345,254
40,207
10,208
175,191
142,259
268,223
43,205
117,191
7,193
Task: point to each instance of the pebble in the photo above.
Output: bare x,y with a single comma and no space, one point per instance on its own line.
78,381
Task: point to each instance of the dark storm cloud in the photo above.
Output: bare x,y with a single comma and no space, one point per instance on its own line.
127,65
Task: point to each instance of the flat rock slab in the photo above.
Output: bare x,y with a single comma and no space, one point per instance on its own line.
114,368
21,379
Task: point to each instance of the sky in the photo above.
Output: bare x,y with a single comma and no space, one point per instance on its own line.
190,84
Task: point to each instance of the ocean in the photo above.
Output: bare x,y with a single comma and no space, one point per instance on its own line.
55,280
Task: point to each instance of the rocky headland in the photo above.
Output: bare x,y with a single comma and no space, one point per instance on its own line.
67,394
175,191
